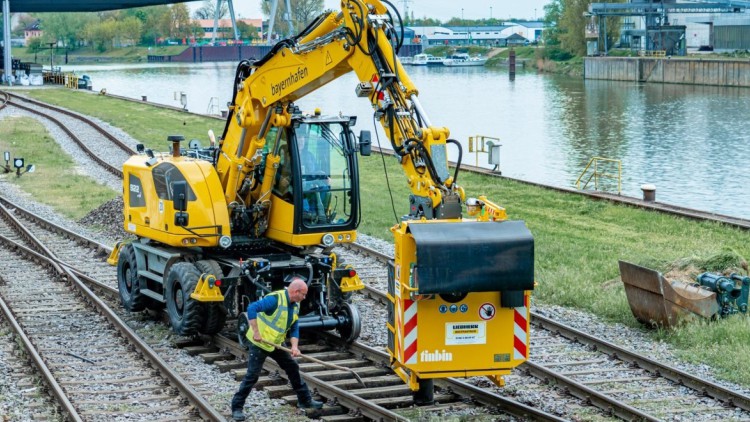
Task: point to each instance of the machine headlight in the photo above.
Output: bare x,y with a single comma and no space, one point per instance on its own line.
328,239
225,241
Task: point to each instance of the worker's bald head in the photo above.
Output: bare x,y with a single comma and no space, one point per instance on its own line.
297,289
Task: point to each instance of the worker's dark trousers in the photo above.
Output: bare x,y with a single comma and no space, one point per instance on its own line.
255,359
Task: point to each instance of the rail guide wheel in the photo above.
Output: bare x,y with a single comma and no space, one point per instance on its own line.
243,325
350,324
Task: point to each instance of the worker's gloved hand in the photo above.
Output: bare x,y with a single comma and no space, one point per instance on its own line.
295,351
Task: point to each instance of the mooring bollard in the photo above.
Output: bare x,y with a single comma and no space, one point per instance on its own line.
649,192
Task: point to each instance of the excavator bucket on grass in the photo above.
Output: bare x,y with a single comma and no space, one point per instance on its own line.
657,301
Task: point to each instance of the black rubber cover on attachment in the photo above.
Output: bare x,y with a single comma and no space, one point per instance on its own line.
473,256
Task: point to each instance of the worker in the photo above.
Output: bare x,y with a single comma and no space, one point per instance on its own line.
271,318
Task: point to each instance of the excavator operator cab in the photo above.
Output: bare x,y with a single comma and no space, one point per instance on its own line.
317,175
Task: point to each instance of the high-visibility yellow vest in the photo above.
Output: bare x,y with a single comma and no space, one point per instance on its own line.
273,327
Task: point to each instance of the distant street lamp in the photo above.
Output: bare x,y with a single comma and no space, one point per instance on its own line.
462,16
535,13
490,12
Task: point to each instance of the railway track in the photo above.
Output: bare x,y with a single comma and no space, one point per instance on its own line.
95,366
94,141
384,392
592,375
601,374
617,381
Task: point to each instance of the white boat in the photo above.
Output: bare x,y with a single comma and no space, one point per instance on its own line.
427,60
463,59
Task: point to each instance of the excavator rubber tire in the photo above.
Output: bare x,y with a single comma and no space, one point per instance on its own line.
215,313
128,282
186,315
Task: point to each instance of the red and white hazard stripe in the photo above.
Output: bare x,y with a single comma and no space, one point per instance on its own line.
410,331
521,331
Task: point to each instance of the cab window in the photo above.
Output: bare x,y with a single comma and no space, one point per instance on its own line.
165,174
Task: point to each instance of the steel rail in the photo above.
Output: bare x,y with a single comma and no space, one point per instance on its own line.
345,398
108,167
31,351
606,403
671,373
55,227
4,99
350,401
477,394
692,214
464,389
120,144
202,406
601,196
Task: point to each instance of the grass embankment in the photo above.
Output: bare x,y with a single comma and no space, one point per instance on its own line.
578,241
90,54
55,181
151,127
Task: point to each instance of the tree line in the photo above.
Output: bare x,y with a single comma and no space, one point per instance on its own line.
563,36
565,23
121,28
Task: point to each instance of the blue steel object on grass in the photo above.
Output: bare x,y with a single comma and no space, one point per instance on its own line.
731,292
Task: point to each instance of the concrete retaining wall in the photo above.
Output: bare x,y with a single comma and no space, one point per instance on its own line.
237,53
668,70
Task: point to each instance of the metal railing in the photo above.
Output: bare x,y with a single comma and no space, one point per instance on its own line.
600,173
652,53
481,143
69,80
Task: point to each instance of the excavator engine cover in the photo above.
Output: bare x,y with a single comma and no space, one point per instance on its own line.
473,257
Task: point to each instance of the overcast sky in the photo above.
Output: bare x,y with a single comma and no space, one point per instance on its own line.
440,9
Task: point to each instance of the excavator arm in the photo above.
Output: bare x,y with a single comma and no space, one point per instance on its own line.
360,38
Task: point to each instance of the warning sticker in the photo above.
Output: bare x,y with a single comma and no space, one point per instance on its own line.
473,332
487,311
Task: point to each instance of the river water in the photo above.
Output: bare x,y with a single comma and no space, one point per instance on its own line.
692,142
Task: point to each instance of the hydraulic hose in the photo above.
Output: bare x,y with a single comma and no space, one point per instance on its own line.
460,157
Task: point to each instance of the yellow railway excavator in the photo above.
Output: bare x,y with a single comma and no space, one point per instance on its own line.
221,226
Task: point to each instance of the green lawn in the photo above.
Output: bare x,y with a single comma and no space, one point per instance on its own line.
55,176
578,241
151,127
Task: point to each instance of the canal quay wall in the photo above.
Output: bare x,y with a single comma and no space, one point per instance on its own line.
669,70
235,53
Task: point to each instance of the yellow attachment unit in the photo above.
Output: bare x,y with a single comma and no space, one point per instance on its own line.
208,289
352,282
485,210
115,254
345,275
459,299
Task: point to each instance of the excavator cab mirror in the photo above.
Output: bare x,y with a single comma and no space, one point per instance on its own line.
140,148
179,195
179,199
365,143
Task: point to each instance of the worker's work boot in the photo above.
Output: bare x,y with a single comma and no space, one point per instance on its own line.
238,415
310,403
